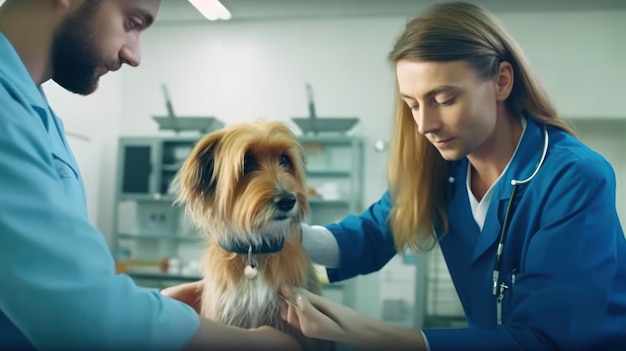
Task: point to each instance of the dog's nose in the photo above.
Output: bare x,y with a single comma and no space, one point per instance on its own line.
285,202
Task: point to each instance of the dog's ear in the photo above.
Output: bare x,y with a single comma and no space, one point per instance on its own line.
207,176
207,181
196,179
303,158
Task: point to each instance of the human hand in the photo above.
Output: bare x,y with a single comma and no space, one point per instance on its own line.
318,317
189,293
268,338
213,335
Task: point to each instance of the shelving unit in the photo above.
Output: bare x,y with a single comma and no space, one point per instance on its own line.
442,307
150,228
335,172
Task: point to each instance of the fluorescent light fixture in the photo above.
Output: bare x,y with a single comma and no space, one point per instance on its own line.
211,9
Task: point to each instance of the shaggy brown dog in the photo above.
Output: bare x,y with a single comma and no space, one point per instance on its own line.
245,187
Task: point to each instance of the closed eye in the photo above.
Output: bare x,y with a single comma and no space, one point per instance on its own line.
134,23
138,20
412,105
447,102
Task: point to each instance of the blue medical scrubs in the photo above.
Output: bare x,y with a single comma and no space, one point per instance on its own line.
58,286
564,259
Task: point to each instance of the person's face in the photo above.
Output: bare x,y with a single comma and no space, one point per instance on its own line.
452,107
99,37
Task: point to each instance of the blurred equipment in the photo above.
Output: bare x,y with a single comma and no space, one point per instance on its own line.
189,123
313,125
381,145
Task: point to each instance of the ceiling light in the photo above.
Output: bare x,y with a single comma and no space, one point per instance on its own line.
211,9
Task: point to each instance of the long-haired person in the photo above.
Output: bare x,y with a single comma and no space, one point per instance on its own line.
481,164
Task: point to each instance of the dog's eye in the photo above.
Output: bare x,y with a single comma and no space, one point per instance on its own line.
285,161
249,164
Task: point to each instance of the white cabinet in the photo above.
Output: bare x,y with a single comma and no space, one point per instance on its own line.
150,232
335,177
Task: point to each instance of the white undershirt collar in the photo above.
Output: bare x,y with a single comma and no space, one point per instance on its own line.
479,208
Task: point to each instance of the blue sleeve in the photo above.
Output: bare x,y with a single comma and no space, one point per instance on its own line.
365,242
59,286
560,300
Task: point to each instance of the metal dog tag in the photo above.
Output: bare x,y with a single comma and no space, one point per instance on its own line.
250,272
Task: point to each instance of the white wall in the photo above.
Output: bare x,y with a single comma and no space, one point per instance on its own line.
240,71
579,56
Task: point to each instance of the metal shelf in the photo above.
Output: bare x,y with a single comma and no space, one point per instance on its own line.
142,236
171,167
147,197
328,140
191,278
164,276
329,173
324,202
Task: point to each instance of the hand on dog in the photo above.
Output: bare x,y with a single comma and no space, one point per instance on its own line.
189,293
269,338
316,316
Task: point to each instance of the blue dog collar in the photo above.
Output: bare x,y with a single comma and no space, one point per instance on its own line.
266,247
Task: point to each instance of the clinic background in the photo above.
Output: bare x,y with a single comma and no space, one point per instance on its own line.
256,65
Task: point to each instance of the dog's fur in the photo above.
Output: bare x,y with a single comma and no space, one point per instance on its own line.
246,184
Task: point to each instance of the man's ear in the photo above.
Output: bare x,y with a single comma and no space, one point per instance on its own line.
65,4
504,81
69,5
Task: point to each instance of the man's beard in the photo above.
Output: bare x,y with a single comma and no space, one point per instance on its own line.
75,60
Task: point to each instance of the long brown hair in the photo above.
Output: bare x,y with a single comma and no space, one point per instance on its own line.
417,172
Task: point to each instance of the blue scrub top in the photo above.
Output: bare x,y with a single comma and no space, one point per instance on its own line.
59,288
565,247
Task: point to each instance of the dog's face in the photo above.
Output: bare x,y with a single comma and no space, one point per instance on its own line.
245,182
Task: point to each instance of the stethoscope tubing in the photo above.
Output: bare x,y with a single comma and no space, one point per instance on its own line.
507,216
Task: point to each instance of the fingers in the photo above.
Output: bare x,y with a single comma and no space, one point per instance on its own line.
288,311
293,318
307,312
182,288
286,294
188,293
303,316
276,340
290,295
313,298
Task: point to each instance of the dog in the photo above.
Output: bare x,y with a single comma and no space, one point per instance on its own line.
244,186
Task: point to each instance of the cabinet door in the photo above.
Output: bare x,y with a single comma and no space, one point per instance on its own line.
137,173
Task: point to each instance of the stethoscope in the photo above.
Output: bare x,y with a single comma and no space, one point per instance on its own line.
499,287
